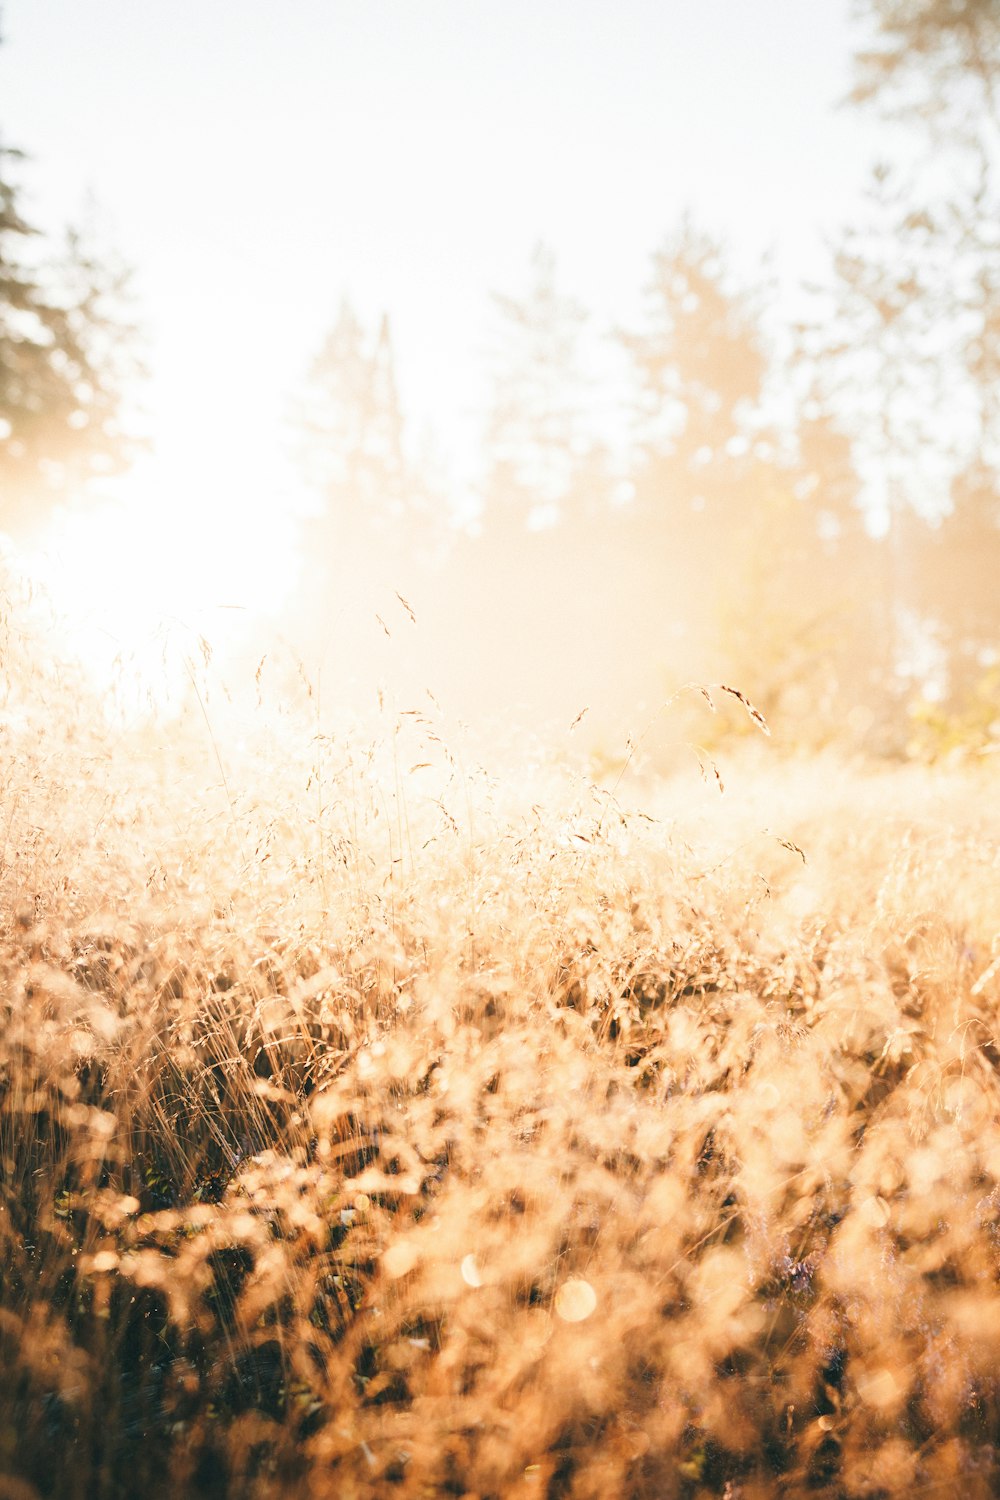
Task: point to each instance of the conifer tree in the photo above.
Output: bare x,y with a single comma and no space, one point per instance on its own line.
67,359
350,427
544,463
916,353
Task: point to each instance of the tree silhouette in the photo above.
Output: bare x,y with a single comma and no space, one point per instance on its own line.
350,429
66,362
543,462
921,285
699,368
934,60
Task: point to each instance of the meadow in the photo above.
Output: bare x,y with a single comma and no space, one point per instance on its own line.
378,1118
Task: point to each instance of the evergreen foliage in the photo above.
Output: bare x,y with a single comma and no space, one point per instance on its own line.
67,356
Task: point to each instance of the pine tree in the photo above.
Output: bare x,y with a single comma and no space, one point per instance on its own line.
351,431
543,462
921,285
66,362
699,367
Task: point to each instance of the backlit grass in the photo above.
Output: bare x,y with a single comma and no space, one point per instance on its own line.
374,1122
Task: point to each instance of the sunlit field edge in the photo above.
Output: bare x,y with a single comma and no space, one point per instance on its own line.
380,1118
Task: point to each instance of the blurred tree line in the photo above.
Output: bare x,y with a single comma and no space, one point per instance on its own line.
814,512
810,511
68,355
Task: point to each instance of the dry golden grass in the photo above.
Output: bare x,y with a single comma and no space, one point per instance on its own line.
373,1125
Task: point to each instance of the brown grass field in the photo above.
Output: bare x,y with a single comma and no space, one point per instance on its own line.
374,1123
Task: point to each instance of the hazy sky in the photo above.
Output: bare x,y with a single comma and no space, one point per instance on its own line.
254,162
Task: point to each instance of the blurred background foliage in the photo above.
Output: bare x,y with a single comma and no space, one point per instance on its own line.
806,504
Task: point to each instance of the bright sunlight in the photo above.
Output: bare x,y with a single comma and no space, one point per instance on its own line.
499,728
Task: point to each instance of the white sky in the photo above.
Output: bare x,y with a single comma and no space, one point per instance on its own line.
254,162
